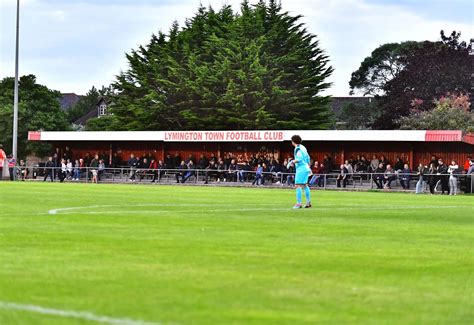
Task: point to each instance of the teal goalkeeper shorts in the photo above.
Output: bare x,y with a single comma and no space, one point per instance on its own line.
301,177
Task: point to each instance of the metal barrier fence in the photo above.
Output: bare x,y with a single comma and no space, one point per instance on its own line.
463,182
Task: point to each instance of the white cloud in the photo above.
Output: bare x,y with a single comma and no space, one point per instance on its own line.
72,45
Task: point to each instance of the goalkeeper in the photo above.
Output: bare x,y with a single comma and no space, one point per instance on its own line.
303,171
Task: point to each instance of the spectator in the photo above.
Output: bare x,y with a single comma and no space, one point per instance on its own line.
211,171
11,167
23,170
433,178
203,162
161,169
399,165
62,174
443,176
349,168
154,170
374,164
177,160
343,175
189,172
467,163
48,169
221,171
232,171
77,171
69,169
94,168
389,177
327,162
101,169
316,169
423,178
67,155
132,164
453,181
3,156
169,162
181,171
379,176
259,180
243,171
405,177
434,160
384,161
116,161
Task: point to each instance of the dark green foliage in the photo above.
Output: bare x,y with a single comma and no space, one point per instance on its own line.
104,123
397,74
38,109
358,116
86,104
259,69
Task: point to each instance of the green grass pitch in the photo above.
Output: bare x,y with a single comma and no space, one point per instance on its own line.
73,253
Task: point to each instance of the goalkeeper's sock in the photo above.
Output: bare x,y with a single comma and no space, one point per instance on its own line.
299,195
307,193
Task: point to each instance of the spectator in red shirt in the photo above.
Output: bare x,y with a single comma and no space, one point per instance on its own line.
317,170
467,163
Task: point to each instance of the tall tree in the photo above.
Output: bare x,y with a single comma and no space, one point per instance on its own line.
222,70
39,109
399,73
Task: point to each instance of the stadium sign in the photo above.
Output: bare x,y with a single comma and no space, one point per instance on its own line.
207,136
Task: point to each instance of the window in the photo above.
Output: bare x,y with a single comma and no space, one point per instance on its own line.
102,110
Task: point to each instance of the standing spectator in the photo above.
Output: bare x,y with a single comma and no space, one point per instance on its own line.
154,170
453,180
443,176
405,177
423,178
3,156
259,176
211,170
48,169
243,171
374,164
94,168
467,163
132,164
101,169
434,160
384,161
69,169
177,160
77,171
433,178
343,174
327,162
67,155
12,167
203,162
62,174
189,172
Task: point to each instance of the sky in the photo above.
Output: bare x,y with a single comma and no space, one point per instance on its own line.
71,45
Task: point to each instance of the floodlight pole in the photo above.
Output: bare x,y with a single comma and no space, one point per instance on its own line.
15,100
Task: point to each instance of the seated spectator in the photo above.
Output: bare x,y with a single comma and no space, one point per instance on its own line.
349,168
405,177
378,176
389,177
316,169
399,165
203,162
232,171
374,164
343,175
77,171
361,166
384,161
69,169
211,171
23,170
243,171
221,171
181,171
190,172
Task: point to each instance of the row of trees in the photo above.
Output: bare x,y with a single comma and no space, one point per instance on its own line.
257,69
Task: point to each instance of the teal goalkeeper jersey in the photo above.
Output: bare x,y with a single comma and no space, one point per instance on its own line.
302,156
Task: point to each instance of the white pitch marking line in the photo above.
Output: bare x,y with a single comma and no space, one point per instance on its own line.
73,314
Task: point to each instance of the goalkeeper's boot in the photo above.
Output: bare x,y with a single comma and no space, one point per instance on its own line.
308,205
297,206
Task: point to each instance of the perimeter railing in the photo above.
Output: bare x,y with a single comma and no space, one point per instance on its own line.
464,182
